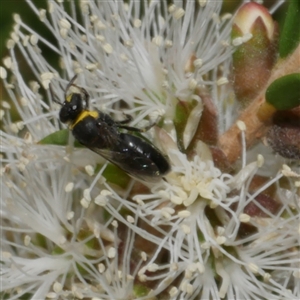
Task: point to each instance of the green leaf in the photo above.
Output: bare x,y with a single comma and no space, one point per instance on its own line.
182,111
59,138
290,35
284,92
114,174
140,290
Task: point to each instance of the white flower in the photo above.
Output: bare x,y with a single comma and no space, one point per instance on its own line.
75,226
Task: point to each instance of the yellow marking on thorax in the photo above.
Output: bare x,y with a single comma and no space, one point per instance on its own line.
83,115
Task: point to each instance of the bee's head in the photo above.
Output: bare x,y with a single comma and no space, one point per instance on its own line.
71,108
76,101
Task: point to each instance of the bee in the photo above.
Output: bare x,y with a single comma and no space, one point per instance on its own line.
103,135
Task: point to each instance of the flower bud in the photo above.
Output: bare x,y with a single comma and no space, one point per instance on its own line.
255,34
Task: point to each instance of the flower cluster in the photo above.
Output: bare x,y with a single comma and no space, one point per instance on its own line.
73,226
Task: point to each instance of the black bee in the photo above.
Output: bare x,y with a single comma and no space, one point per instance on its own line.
100,133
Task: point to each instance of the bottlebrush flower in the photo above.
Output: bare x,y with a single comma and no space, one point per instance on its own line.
75,226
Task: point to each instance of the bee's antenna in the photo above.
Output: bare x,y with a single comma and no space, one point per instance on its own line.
86,97
53,95
70,84
82,90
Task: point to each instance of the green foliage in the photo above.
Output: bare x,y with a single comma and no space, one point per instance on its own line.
290,35
58,138
183,109
284,93
114,174
140,290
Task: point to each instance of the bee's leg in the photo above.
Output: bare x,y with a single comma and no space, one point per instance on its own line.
146,128
127,120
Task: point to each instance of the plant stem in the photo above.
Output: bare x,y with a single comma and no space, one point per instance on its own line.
257,122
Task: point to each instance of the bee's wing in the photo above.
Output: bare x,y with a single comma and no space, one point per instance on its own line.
132,162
